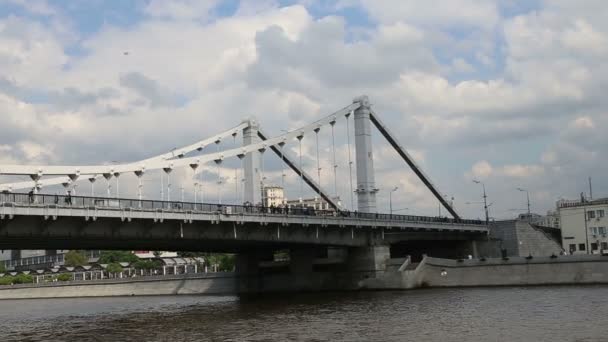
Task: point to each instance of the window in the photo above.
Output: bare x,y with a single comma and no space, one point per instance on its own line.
604,245
601,230
572,248
581,246
590,215
593,230
594,246
600,213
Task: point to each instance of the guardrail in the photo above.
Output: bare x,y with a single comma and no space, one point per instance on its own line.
228,209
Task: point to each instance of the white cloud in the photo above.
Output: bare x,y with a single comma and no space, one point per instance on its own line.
180,9
188,74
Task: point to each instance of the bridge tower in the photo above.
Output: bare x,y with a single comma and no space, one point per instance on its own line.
251,163
366,180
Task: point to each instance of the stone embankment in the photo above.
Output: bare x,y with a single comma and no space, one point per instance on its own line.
188,284
512,271
399,274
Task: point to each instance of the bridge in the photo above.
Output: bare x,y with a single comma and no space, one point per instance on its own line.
250,226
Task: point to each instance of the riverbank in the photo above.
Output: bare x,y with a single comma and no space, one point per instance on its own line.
399,275
512,271
221,283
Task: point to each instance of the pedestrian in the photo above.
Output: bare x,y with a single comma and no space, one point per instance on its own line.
30,196
68,198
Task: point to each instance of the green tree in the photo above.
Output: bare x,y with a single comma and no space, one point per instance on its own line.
64,277
109,257
114,268
2,268
75,258
146,264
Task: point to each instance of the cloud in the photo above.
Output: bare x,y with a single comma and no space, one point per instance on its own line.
180,9
516,100
148,89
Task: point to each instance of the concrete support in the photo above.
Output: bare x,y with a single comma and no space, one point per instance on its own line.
249,278
368,262
301,268
366,181
251,172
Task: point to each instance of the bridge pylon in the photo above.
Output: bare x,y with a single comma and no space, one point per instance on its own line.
366,179
251,163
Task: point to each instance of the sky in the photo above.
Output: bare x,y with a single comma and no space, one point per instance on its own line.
508,92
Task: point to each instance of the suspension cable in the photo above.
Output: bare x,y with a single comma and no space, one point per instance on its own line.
236,175
318,162
162,187
350,162
219,181
282,167
243,179
300,137
333,149
263,177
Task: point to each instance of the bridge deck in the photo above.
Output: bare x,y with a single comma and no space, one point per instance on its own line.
93,207
49,220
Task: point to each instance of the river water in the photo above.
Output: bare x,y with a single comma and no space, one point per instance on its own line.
474,314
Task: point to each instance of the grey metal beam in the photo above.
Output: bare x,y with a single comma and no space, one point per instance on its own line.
307,178
410,161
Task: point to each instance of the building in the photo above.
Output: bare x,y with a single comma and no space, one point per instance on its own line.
551,220
273,196
315,203
584,225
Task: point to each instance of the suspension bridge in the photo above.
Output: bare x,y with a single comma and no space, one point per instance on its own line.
39,219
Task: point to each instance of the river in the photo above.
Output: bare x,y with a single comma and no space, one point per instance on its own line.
473,314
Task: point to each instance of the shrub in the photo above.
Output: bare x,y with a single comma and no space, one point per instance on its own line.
64,277
23,279
110,257
6,280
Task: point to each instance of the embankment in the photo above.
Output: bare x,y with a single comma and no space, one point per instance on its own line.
210,283
514,271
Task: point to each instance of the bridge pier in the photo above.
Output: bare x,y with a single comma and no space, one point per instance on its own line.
249,276
368,262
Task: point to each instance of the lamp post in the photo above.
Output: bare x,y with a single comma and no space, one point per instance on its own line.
485,200
390,199
527,198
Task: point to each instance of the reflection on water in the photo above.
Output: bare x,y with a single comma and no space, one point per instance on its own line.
482,314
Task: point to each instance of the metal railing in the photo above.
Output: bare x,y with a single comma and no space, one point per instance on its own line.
11,199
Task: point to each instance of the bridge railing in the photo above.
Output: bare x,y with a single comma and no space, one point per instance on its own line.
8,199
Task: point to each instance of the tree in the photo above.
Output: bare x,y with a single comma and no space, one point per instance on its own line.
2,268
114,268
109,257
75,258
146,264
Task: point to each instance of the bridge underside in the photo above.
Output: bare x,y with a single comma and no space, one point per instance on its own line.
33,232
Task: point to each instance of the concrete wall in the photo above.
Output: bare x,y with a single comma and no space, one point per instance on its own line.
216,284
520,238
516,271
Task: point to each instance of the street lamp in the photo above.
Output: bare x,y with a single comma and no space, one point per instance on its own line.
485,200
527,198
390,199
